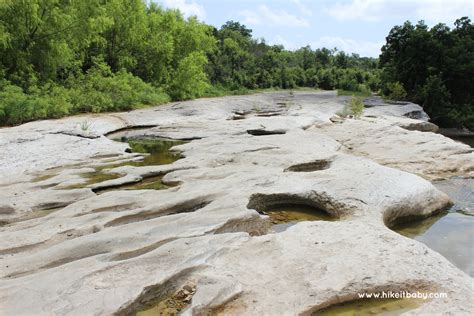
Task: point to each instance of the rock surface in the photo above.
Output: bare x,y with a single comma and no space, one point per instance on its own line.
75,252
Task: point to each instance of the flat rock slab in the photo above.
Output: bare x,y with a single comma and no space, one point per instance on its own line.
68,251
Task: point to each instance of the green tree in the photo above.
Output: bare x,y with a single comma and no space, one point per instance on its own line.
62,57
435,66
395,91
436,97
190,81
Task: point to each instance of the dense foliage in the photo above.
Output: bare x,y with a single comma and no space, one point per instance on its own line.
241,61
60,57
435,67
354,108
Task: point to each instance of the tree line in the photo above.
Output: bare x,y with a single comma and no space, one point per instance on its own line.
61,57
434,67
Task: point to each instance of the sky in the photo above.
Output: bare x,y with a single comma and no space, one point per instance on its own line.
354,26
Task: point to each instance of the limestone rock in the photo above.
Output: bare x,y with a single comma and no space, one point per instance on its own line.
203,243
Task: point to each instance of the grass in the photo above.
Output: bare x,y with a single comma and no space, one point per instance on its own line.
147,99
85,125
219,91
341,92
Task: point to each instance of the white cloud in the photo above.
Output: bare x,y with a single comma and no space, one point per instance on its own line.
188,8
302,7
363,48
376,10
265,15
279,40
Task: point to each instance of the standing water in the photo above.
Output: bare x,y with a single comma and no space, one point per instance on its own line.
450,233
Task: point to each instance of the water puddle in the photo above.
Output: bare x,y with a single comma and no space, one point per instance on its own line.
366,307
157,148
285,215
94,177
461,190
157,152
150,183
450,233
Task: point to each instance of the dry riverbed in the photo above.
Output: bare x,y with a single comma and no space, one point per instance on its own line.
266,204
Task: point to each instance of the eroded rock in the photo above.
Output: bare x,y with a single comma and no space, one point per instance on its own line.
124,250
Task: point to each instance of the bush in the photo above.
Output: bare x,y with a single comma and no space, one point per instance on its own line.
373,81
100,90
354,108
395,91
326,79
220,91
190,81
364,90
435,97
17,107
459,116
347,82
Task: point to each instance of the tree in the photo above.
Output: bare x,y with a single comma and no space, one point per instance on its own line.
435,66
436,97
189,81
62,57
40,39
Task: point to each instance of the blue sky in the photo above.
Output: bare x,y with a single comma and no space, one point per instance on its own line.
355,26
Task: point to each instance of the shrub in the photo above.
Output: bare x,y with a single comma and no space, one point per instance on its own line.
395,91
363,90
373,81
459,116
354,108
220,91
435,97
326,79
100,90
347,82
17,107
190,80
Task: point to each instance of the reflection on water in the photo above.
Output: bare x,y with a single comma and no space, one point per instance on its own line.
466,140
450,233
159,153
150,183
286,215
157,148
461,190
94,177
366,307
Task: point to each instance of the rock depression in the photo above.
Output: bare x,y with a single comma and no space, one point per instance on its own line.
73,247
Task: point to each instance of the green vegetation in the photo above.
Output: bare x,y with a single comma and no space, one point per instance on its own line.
85,125
395,91
435,67
366,93
243,62
354,108
65,57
